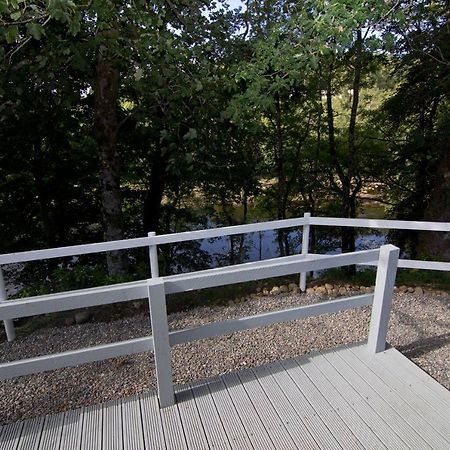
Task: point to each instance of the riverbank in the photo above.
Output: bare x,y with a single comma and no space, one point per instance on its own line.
419,328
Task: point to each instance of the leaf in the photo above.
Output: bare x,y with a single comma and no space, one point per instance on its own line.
16,15
198,86
35,30
138,74
12,33
190,135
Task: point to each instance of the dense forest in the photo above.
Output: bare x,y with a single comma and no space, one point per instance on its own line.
119,118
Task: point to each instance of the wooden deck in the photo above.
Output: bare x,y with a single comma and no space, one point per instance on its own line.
336,399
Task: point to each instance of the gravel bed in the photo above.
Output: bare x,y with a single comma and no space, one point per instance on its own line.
419,327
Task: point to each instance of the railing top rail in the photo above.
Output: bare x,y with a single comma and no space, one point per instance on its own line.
381,223
84,249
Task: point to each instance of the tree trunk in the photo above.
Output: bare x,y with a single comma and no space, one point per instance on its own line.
281,178
106,126
437,245
38,165
155,194
350,192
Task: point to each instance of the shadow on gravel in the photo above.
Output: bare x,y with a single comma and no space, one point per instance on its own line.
424,345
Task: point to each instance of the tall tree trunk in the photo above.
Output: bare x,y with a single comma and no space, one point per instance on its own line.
437,245
281,178
350,191
106,126
155,194
38,165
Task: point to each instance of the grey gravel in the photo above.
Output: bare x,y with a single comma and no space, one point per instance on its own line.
419,327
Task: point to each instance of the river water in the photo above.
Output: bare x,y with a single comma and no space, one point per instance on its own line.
264,245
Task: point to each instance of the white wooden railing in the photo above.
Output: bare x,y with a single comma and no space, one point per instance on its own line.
152,241
162,340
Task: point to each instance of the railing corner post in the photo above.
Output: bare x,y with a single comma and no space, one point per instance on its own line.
153,255
9,324
382,298
305,247
161,344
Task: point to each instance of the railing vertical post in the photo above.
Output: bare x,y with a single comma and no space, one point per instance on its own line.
9,325
153,254
382,299
161,345
305,248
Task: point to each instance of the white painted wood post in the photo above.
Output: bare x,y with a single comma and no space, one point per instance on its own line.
305,248
382,299
160,333
9,325
153,254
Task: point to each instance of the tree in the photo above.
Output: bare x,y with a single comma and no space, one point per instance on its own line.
419,116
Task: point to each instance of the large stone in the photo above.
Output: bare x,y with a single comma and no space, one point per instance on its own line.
328,287
293,286
275,290
321,290
418,290
284,289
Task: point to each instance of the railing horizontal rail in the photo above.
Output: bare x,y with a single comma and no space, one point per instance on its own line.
66,301
258,271
75,250
376,223
134,290
75,357
418,264
245,323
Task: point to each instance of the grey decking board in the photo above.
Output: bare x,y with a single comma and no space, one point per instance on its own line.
192,423
417,373
133,434
151,422
421,406
92,428
257,433
431,434
11,436
354,421
404,370
307,413
232,424
210,417
383,431
31,434
51,432
285,410
173,428
71,433
112,433
335,424
388,413
272,422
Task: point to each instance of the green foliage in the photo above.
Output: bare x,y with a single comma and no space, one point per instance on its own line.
218,107
77,277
